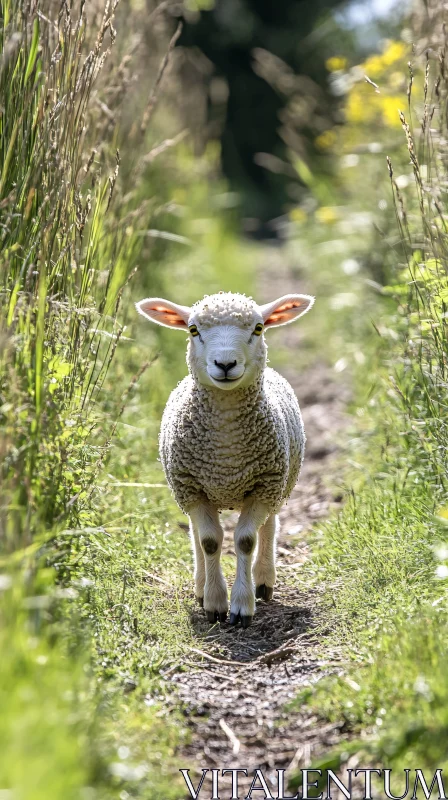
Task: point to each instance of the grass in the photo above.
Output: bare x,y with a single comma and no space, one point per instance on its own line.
95,580
70,248
60,288
93,569
384,556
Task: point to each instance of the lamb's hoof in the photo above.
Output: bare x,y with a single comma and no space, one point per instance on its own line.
264,592
216,616
200,601
245,620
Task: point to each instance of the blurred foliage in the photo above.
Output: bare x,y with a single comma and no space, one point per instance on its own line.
376,105
264,77
374,93
268,83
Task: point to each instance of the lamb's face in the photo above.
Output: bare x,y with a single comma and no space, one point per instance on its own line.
226,347
227,356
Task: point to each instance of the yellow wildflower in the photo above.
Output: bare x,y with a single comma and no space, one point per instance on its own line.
395,51
297,215
325,140
326,214
377,65
390,107
336,63
373,66
362,105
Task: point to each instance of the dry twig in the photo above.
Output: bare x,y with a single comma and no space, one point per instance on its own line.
218,660
230,734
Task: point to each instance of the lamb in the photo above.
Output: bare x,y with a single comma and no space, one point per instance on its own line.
231,437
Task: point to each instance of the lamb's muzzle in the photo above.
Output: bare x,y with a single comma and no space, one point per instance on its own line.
232,436
225,368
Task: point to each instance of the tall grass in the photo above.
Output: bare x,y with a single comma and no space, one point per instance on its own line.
71,241
92,598
65,258
421,289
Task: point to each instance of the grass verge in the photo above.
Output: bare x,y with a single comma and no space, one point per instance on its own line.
384,558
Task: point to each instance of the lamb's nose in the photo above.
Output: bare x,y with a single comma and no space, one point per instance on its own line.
225,367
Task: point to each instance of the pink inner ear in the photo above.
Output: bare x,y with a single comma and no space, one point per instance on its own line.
283,312
169,316
274,319
172,316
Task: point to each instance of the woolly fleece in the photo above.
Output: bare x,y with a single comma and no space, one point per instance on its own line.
226,445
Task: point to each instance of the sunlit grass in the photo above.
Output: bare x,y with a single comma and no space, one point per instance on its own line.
60,285
384,557
68,251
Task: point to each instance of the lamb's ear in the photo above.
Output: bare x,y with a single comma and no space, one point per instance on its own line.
164,313
286,309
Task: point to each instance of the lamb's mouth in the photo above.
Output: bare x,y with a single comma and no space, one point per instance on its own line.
226,382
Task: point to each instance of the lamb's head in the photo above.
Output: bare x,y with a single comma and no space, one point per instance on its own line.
226,348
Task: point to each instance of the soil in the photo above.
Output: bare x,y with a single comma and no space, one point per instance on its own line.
238,685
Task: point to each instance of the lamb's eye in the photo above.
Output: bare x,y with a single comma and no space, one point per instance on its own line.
193,330
258,330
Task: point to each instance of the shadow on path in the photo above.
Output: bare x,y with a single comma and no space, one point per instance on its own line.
274,624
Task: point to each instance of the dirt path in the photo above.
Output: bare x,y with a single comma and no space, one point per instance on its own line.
236,691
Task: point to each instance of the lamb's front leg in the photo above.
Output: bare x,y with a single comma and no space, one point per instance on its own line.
205,522
242,600
199,563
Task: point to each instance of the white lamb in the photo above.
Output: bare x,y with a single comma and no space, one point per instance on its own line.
232,437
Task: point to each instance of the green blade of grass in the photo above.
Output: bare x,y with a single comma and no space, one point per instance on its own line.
33,50
40,335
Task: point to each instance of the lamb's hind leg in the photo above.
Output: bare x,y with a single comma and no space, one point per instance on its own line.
205,520
242,601
264,568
